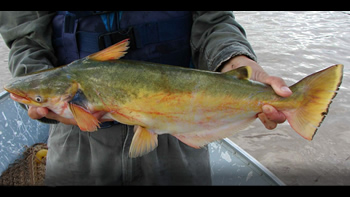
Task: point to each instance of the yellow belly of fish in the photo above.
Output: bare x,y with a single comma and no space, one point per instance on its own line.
189,113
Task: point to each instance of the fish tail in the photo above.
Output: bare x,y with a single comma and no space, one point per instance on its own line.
315,95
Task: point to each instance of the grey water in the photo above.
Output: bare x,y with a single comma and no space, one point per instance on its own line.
293,45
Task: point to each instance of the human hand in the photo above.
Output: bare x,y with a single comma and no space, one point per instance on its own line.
270,116
41,112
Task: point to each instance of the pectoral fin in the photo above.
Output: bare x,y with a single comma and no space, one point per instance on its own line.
86,121
143,142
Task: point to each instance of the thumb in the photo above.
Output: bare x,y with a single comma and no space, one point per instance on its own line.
42,111
37,112
278,85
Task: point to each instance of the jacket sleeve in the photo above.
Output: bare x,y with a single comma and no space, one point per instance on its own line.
28,35
215,38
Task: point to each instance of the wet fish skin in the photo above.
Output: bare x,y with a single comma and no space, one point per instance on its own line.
195,106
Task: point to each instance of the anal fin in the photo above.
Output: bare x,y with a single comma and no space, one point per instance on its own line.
143,142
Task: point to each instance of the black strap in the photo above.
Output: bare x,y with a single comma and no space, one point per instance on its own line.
149,33
110,38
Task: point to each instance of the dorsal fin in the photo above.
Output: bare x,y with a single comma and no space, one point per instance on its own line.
243,72
113,52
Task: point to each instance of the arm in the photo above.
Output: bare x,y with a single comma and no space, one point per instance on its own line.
28,35
217,37
219,44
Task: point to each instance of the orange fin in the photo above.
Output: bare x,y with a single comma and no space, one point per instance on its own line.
318,90
143,142
86,121
113,52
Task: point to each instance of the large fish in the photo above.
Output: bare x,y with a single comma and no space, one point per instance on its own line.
195,106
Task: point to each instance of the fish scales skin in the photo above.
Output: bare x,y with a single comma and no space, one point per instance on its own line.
195,106
169,99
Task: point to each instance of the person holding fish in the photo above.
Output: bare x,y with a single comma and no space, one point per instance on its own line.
211,41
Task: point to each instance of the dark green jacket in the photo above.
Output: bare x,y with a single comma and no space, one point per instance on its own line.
216,37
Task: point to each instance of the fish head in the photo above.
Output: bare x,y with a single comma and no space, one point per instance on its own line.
42,89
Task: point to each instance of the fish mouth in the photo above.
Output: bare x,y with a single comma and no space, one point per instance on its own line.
19,96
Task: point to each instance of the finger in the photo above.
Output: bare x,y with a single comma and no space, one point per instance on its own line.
42,111
105,120
37,112
278,85
272,114
100,116
267,123
67,121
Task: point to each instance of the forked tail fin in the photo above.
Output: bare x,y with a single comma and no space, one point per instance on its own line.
318,90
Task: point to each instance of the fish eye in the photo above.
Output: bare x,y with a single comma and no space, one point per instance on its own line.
38,99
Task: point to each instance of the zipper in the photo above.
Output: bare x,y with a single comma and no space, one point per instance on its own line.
108,20
126,166
119,14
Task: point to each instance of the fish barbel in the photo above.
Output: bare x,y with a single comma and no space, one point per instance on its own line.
195,106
